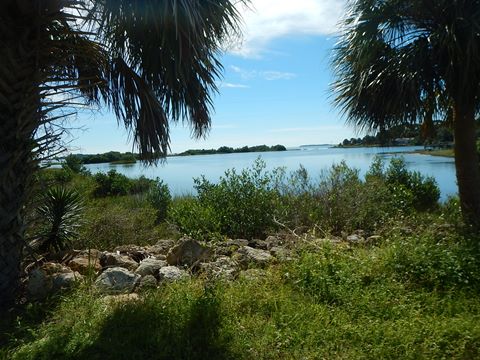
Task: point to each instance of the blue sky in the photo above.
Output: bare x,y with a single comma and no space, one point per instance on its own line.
275,88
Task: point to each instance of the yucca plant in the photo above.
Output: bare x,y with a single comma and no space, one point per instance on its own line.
60,216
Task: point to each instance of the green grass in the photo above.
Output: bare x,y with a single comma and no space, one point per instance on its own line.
415,295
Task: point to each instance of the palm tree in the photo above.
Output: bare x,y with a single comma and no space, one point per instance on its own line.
150,61
409,61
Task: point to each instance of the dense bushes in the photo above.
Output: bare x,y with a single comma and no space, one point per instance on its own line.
239,205
114,183
255,201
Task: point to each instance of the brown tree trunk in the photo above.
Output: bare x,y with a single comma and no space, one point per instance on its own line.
467,163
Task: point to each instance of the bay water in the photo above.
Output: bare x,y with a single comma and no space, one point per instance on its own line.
179,171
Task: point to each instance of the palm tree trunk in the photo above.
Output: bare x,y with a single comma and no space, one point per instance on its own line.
467,163
20,115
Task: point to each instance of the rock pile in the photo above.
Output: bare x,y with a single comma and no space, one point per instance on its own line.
131,268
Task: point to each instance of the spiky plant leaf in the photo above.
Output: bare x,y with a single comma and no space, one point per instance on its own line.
61,214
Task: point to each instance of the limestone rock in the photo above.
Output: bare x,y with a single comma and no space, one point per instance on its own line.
51,268
222,268
147,282
117,260
116,280
135,252
161,247
355,239
150,266
258,244
83,263
65,280
188,252
248,255
39,284
170,274
49,278
236,242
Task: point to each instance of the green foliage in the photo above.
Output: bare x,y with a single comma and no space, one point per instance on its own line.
73,163
239,205
111,184
195,219
60,216
108,157
254,202
159,198
417,191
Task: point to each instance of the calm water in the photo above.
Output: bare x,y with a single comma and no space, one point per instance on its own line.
178,172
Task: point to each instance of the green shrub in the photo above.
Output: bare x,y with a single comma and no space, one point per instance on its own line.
141,185
111,184
159,198
424,192
346,203
73,163
194,219
244,203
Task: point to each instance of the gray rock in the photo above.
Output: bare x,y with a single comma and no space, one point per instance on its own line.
49,278
236,242
161,247
222,268
258,244
355,239
134,252
39,284
116,280
188,252
117,260
170,274
150,266
147,282
65,280
247,255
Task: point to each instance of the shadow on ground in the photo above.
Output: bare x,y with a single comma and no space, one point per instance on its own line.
145,331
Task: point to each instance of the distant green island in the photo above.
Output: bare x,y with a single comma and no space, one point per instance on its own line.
229,150
116,157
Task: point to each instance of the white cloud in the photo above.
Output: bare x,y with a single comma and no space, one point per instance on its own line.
270,19
233,86
277,75
266,75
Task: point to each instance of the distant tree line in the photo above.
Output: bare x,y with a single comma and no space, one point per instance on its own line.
108,157
403,135
229,150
